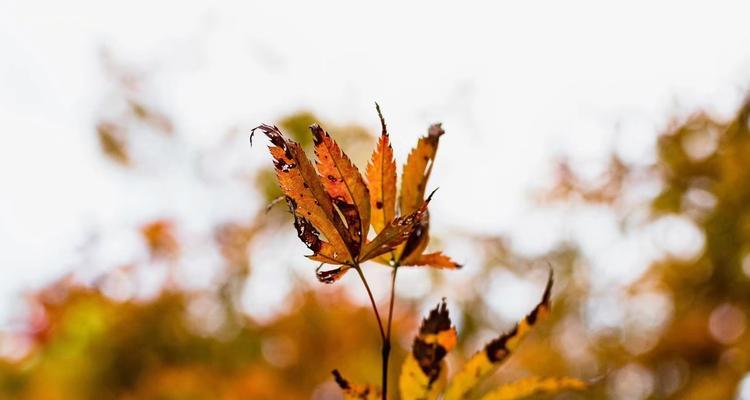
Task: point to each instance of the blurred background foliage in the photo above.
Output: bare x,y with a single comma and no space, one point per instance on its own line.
678,331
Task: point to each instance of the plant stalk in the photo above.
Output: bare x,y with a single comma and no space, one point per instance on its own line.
387,342
385,338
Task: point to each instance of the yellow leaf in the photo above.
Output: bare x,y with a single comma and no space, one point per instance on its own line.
381,179
534,385
415,384
356,391
413,183
423,375
417,170
486,361
344,184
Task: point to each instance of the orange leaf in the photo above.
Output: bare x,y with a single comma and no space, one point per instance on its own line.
381,177
344,184
436,260
307,198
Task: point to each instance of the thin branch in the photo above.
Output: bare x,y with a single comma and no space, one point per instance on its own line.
390,307
372,301
387,342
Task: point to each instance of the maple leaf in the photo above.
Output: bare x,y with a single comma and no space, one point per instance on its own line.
331,204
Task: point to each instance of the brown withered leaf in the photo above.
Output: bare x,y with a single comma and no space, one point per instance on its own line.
381,178
423,374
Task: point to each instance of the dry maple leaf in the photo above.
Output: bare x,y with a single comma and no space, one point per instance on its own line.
331,204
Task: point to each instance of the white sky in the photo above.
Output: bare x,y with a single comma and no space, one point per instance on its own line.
514,84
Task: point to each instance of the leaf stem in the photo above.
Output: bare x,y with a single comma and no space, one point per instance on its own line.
386,340
372,301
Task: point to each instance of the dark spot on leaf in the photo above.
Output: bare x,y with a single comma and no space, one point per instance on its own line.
379,204
291,202
497,349
282,165
353,222
437,320
343,383
428,357
307,233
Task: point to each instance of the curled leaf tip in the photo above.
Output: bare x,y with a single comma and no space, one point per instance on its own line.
252,131
331,275
273,133
430,196
382,120
544,303
318,133
436,130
